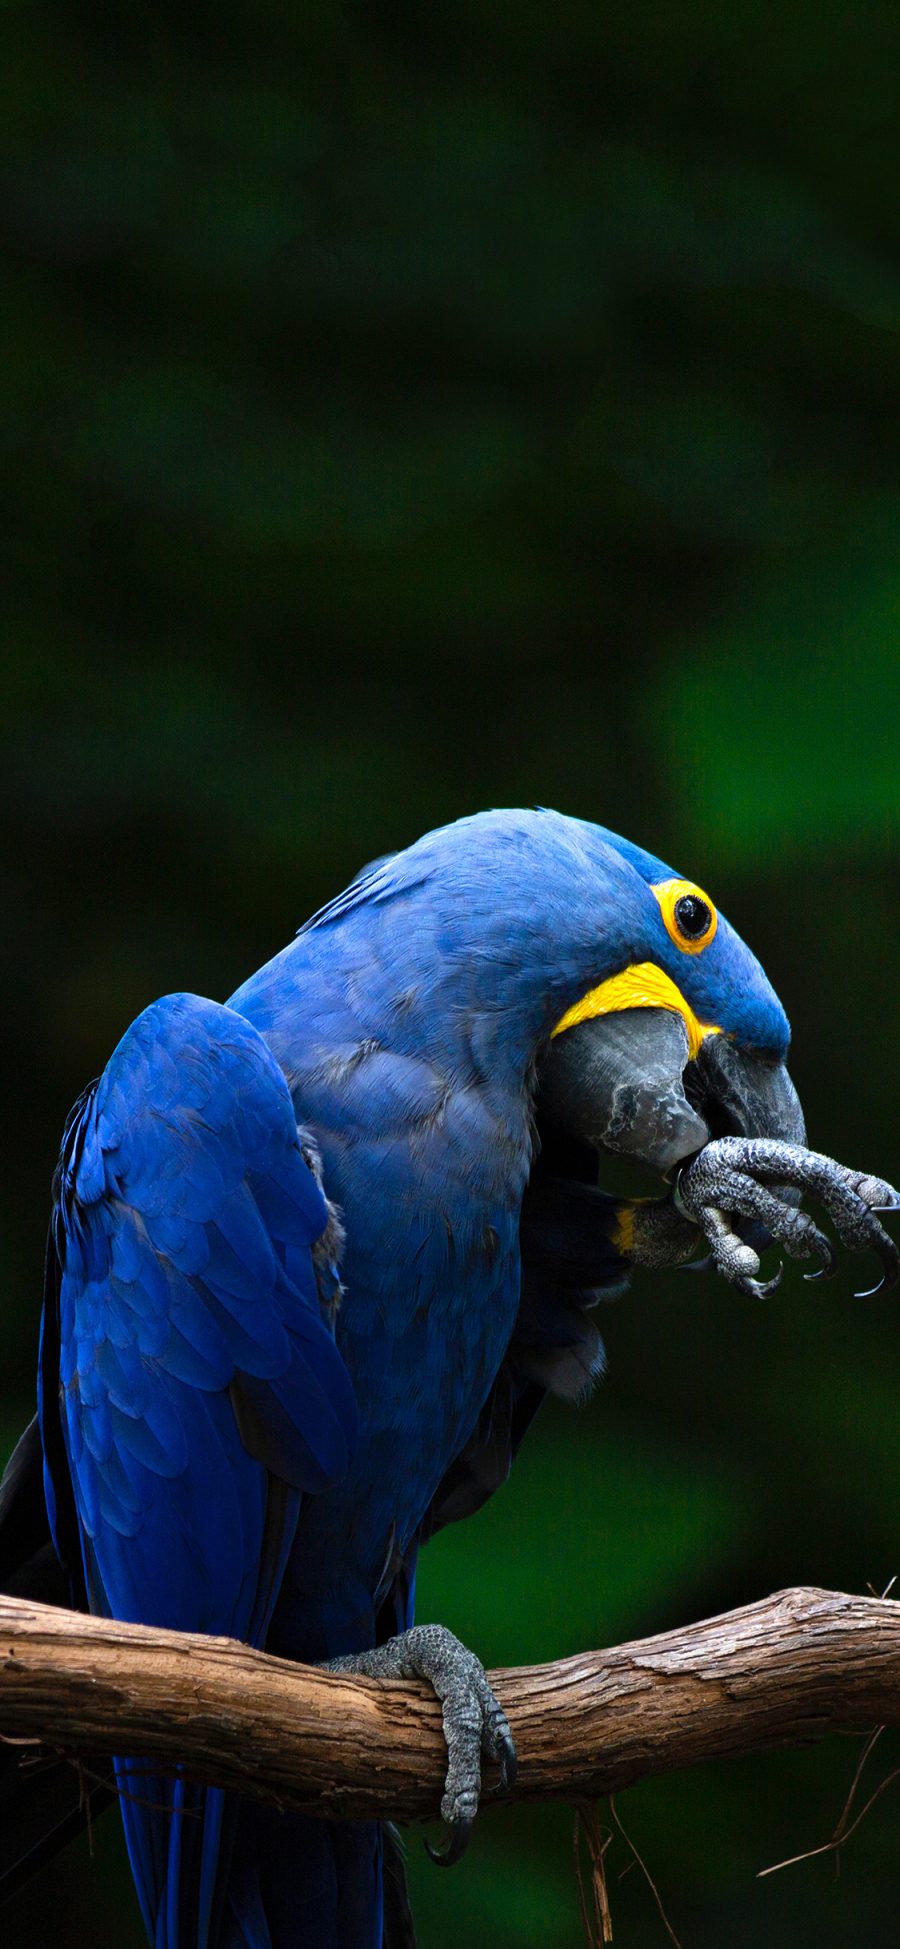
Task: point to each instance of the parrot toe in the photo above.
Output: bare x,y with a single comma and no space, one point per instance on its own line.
749,1177
475,1724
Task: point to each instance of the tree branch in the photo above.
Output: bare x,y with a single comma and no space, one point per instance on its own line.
777,1673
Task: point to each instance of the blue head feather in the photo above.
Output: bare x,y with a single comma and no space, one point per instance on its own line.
725,984
482,934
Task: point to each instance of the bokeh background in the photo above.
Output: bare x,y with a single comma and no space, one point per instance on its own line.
409,409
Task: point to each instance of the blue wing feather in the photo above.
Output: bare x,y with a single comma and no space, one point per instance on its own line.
201,1390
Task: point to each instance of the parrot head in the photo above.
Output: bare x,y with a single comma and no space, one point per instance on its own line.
527,949
683,1041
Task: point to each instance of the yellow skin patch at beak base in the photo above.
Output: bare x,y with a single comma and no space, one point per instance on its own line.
642,986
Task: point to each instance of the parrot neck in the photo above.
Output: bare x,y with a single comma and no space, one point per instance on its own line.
390,980
418,1098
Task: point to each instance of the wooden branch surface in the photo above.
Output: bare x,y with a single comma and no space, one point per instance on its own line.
776,1673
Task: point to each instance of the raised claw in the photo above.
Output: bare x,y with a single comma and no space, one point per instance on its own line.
735,1173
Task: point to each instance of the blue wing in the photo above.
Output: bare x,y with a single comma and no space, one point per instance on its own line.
200,1388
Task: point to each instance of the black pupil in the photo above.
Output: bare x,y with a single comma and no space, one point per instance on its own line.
692,916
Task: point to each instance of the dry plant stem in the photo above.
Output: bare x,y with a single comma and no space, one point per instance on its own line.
641,1863
598,1928
845,1827
777,1673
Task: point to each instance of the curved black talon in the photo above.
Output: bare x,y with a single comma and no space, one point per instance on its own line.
456,1846
828,1265
877,1240
886,1253
509,1763
872,1290
761,1288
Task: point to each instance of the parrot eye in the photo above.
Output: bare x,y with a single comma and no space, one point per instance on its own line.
689,915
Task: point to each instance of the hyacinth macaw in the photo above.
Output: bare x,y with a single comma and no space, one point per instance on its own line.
318,1254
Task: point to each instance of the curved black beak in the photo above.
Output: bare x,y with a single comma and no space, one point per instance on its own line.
616,1082
744,1093
626,1082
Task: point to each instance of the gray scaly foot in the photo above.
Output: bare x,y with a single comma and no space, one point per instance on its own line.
474,1721
743,1176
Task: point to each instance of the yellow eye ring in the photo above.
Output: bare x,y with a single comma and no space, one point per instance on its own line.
688,913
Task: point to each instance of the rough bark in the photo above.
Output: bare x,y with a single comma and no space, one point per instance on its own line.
776,1673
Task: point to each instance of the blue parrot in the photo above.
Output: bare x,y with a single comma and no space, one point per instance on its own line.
318,1255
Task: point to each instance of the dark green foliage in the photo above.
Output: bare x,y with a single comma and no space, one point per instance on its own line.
411,409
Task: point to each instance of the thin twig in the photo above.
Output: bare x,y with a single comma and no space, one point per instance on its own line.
646,1872
586,1821
579,1880
841,1833
881,1788
861,1764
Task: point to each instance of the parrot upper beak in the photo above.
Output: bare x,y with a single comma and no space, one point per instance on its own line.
743,1093
626,1083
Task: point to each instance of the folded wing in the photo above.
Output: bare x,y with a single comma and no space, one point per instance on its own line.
191,1388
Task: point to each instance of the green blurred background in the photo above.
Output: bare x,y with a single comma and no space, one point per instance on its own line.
409,409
